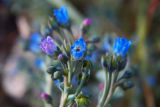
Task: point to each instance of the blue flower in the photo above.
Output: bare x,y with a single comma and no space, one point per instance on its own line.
39,63
121,46
35,40
48,46
61,15
78,49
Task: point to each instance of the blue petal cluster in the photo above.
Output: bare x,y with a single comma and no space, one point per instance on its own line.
48,46
121,46
61,15
35,40
78,49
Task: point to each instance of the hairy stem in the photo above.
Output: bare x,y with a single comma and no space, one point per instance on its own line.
79,88
64,94
106,88
110,91
63,100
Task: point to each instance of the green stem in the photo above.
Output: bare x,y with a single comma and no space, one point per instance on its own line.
64,94
81,84
69,72
63,100
110,91
79,88
106,88
48,88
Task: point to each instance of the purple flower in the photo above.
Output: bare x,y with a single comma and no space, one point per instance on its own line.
121,46
48,46
78,49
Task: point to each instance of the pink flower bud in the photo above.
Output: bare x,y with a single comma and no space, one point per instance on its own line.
101,86
44,96
87,22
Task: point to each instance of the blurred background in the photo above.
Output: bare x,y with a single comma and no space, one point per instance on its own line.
20,65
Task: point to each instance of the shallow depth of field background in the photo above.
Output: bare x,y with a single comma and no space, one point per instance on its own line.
138,20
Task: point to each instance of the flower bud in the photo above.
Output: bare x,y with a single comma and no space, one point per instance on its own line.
53,68
109,62
46,97
62,57
87,22
127,84
57,75
82,101
87,64
128,74
121,62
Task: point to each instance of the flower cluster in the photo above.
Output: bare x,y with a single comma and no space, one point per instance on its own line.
114,62
68,69
117,60
72,61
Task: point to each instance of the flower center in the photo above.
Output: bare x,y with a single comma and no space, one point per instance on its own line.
78,48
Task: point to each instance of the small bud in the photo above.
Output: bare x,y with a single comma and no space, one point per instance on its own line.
57,75
127,84
55,67
71,97
85,25
74,105
101,87
121,62
82,101
109,62
87,22
62,57
52,69
128,74
46,97
86,64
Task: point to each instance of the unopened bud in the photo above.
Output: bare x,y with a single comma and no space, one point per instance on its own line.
46,97
87,22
